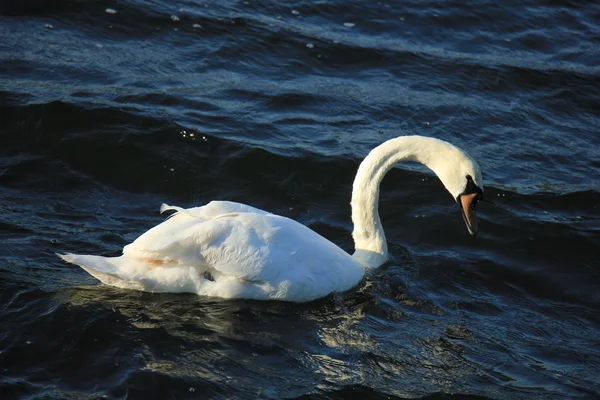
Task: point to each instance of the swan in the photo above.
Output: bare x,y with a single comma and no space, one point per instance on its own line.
232,250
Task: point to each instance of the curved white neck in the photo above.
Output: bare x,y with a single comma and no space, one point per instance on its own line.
369,239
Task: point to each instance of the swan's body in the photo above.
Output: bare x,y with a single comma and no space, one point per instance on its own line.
232,250
229,250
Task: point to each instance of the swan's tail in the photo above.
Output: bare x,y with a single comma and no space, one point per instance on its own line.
105,269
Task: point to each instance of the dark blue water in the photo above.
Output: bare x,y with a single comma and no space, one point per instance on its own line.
104,116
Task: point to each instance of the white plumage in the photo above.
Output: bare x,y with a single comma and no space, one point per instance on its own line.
232,250
228,250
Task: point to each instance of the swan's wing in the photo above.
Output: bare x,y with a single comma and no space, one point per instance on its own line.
237,244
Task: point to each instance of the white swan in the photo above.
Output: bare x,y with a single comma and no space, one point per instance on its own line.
232,250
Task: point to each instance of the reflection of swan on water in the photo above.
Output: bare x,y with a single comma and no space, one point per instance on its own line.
232,250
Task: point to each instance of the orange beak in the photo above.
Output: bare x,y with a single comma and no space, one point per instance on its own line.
467,204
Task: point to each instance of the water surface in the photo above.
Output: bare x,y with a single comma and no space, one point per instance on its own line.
105,115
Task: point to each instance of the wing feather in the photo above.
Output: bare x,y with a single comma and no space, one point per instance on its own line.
187,233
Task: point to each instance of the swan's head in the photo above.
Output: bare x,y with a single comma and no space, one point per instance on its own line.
461,176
